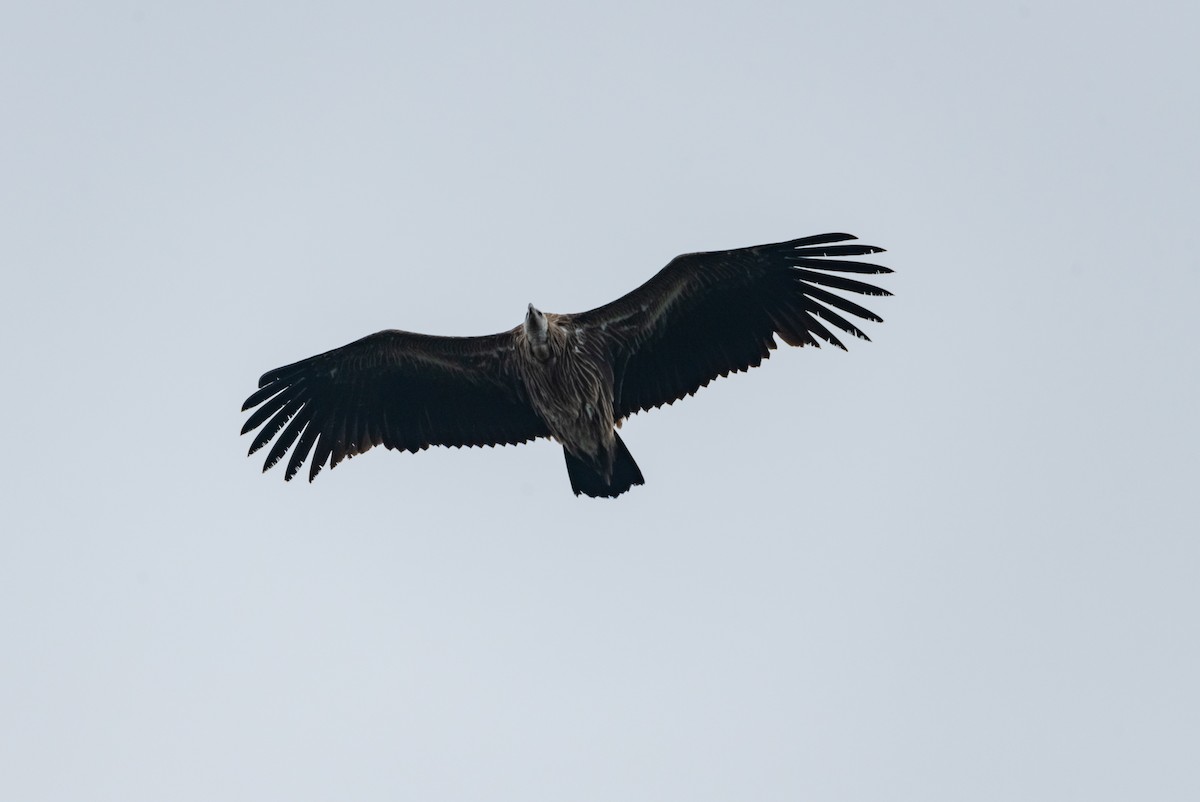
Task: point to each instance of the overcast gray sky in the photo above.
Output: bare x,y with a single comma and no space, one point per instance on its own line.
957,563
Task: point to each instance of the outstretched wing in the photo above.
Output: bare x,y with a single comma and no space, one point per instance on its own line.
705,315
396,389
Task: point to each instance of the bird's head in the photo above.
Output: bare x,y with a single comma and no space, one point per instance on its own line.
537,334
535,325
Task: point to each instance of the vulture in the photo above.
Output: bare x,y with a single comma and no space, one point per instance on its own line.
572,377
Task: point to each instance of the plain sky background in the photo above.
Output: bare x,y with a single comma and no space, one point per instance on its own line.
956,563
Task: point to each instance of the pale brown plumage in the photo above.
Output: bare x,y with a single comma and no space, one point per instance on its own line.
572,377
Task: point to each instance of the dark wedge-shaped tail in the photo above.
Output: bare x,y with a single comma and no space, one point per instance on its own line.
586,479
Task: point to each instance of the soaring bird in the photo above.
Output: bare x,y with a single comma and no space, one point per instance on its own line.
572,377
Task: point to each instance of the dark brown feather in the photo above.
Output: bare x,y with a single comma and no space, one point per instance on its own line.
395,388
709,314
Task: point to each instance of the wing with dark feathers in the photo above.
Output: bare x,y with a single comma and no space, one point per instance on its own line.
396,389
705,315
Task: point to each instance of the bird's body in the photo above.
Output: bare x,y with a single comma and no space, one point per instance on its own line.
569,381
570,377
581,417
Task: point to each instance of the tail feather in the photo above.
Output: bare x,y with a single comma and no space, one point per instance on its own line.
587,479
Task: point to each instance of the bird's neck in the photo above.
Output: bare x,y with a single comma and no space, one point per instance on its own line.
537,336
